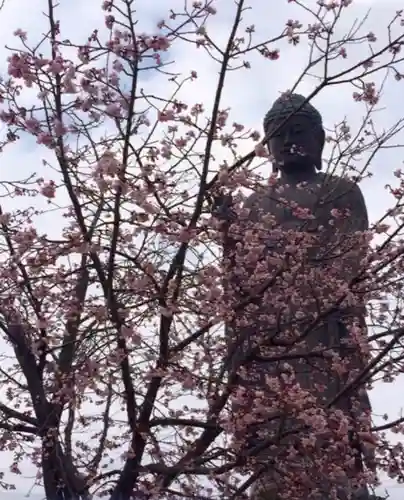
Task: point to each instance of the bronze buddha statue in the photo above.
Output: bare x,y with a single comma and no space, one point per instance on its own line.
308,230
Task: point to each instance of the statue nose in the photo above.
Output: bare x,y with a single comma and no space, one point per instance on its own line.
289,137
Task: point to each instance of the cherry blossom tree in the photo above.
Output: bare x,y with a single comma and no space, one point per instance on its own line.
116,371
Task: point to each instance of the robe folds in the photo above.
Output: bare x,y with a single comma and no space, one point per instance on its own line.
293,262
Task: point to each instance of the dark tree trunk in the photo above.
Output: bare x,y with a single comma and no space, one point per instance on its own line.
61,480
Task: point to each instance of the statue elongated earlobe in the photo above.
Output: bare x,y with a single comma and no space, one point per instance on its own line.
319,161
275,168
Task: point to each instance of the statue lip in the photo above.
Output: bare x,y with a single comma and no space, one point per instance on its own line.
294,151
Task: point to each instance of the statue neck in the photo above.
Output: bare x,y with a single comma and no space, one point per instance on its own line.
298,175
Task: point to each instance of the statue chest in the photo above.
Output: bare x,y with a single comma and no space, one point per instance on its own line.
297,208
323,215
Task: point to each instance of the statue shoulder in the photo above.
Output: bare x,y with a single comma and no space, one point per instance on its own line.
346,193
252,201
344,186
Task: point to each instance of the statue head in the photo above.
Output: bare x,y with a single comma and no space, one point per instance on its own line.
298,145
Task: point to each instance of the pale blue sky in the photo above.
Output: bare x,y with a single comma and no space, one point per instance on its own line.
249,93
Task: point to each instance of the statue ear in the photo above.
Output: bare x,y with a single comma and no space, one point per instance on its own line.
321,138
275,168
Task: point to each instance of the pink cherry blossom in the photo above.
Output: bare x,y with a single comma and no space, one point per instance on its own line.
166,115
158,315
48,190
20,33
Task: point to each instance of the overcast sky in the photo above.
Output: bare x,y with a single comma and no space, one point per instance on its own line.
249,93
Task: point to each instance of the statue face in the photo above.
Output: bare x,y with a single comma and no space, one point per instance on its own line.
297,145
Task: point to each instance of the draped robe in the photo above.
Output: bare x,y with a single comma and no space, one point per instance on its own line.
297,312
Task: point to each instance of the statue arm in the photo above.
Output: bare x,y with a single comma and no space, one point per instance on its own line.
232,279
232,237
354,202
222,210
358,222
348,236
351,241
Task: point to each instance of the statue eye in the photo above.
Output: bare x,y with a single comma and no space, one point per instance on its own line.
297,129
277,132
